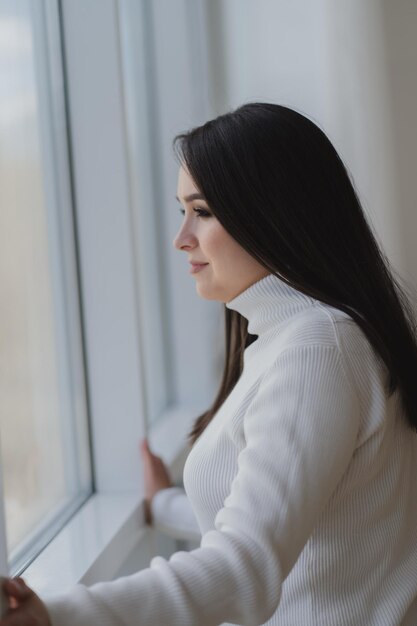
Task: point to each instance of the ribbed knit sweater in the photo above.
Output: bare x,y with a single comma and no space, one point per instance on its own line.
303,487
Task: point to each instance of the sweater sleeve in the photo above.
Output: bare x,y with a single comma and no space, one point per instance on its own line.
300,431
173,515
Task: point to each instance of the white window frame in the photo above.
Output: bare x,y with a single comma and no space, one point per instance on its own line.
45,42
111,524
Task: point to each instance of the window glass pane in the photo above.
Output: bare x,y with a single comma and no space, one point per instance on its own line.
146,197
44,436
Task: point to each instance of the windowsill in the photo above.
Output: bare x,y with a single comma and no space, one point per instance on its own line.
104,532
91,547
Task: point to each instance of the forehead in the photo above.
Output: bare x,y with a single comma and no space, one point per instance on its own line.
186,184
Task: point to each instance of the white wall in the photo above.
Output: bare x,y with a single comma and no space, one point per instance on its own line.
270,50
348,65
400,39
360,116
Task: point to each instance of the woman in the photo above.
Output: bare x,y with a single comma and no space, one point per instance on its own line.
302,473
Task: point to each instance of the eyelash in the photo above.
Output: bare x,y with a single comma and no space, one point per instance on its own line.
200,212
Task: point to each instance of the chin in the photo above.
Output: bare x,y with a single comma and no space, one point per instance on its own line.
210,294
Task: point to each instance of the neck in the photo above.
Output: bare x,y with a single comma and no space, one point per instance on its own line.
267,303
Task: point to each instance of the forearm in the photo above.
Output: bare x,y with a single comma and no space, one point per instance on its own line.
172,514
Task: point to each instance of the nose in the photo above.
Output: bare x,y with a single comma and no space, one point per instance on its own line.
185,239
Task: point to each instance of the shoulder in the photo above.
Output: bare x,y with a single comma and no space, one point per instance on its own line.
325,329
321,325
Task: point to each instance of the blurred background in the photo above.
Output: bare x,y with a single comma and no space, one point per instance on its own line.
103,338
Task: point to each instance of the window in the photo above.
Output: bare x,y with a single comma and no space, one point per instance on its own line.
145,331
43,415
165,87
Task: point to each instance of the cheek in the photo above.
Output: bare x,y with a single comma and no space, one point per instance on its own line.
232,258
216,242
231,252
222,250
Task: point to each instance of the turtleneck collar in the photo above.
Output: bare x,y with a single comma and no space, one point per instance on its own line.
268,302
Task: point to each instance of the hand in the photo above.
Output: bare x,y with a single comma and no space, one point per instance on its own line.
25,607
156,476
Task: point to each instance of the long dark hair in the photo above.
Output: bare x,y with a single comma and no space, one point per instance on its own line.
277,185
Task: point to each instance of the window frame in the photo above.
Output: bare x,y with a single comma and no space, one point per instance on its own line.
65,295
100,148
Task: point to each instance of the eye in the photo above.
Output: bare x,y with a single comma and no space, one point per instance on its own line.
200,212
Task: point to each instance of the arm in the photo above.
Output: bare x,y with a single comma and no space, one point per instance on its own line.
172,514
300,432
167,507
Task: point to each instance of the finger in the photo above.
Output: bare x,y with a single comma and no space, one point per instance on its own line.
13,603
17,588
148,512
21,581
15,617
147,452
14,593
144,446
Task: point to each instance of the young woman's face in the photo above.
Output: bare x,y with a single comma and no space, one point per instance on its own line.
227,269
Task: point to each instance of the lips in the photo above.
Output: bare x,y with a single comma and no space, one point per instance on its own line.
196,267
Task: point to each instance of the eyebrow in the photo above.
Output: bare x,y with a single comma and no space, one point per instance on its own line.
192,196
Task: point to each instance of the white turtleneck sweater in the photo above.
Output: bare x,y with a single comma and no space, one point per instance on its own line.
303,487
